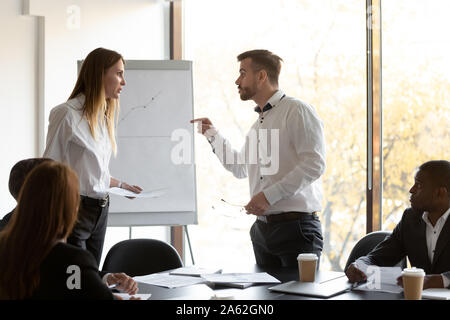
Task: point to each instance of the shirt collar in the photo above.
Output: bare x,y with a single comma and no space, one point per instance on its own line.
272,102
443,217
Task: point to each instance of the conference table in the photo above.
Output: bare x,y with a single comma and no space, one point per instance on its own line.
257,291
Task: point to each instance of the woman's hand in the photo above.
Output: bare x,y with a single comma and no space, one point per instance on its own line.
135,189
123,283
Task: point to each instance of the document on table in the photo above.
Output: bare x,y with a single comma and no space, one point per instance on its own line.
436,294
260,277
194,271
168,280
141,296
382,279
144,194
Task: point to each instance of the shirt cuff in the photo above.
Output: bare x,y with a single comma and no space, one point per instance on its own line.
361,265
104,279
445,280
214,139
273,194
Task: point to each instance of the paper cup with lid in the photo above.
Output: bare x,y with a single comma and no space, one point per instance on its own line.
413,283
307,264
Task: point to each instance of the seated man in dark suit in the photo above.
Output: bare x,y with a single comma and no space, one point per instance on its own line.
16,179
423,234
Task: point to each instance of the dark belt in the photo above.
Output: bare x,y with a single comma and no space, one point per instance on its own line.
94,202
286,216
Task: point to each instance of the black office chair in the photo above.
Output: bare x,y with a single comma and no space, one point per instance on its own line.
367,244
137,257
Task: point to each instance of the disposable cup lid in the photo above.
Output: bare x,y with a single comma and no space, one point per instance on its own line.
414,272
307,257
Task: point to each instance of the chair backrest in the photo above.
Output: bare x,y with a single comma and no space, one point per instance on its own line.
367,244
137,257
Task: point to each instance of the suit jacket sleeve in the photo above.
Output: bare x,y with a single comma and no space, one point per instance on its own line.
91,282
390,251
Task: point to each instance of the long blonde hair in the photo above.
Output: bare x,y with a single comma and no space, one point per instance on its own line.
90,82
46,212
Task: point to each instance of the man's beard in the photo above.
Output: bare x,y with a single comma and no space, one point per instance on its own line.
247,93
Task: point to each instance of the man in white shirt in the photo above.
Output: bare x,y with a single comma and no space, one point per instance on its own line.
423,234
284,159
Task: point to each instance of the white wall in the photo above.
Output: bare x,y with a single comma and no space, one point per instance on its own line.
41,42
18,140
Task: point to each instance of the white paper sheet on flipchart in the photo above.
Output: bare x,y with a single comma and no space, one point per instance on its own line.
144,194
168,280
141,296
260,277
388,279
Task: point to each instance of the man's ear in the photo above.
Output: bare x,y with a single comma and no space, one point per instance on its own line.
442,192
262,75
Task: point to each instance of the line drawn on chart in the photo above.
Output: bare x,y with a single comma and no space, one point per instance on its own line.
152,100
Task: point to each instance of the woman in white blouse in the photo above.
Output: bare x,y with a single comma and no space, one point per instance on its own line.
81,133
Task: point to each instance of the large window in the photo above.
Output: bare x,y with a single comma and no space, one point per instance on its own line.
416,95
322,43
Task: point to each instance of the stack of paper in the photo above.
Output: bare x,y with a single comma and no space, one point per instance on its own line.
187,276
382,279
194,271
436,294
168,280
240,280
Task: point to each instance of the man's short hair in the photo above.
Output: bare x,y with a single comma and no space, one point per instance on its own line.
264,59
439,172
20,171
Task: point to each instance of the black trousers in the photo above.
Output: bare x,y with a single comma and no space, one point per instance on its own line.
278,244
90,229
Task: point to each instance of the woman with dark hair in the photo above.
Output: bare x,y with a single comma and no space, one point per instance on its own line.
39,262
81,133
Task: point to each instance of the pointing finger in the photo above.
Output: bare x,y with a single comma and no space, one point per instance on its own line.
198,119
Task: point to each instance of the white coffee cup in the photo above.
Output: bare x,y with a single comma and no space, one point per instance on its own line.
413,283
307,264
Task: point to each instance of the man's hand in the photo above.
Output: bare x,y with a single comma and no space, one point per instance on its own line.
354,274
205,127
429,281
258,204
123,283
